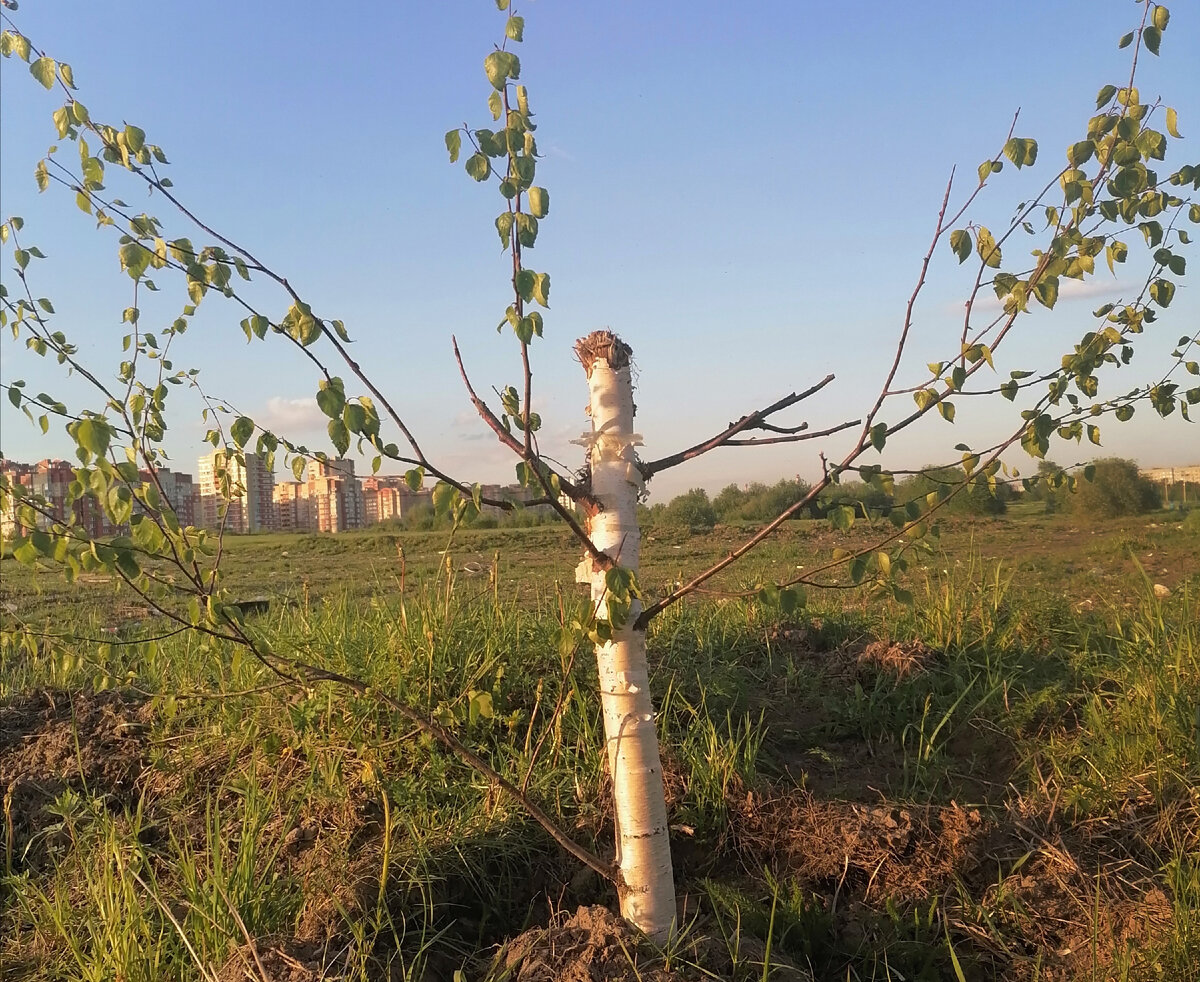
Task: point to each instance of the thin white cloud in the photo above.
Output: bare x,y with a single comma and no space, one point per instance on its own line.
1068,291
287,416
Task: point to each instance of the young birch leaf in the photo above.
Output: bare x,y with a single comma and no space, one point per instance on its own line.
43,71
241,430
504,224
493,67
1173,122
986,246
62,121
478,166
1162,292
1105,95
879,436
1152,38
1126,40
1046,290
135,138
539,202
1080,153
960,243
495,105
339,435
515,28
453,144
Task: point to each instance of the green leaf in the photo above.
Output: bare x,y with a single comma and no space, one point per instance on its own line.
947,411
93,435
478,166
515,28
44,71
527,230
241,430
1124,413
339,435
1093,433
1126,40
331,400
842,518
1152,38
414,478
1009,390
925,398
1080,153
1173,122
454,144
960,244
539,202
443,497
65,73
493,67
985,245
1162,292
1022,152
1105,95
504,224
1046,291
879,436
541,290
355,417
135,138
62,121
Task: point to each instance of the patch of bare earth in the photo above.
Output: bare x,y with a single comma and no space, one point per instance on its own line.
52,741
595,945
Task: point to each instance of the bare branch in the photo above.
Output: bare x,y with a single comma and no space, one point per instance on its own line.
752,420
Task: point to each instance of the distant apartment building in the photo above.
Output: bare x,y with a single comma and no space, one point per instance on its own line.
1174,481
336,494
293,507
389,497
180,492
51,480
234,495
330,499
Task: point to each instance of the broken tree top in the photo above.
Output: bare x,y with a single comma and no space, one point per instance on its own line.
602,344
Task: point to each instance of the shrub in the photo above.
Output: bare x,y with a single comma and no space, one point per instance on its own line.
1116,489
692,510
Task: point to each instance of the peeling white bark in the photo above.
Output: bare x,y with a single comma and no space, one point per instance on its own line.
643,848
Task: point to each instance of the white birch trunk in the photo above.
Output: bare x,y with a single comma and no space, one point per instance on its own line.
647,887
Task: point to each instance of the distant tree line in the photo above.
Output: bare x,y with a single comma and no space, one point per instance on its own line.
1116,489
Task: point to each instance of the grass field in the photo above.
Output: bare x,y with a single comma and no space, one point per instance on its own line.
1001,781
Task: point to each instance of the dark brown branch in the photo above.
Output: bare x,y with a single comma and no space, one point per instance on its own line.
753,420
757,441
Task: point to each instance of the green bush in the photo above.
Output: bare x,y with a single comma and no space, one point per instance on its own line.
1116,489
692,510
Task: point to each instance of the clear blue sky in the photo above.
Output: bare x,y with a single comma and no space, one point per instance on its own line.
742,191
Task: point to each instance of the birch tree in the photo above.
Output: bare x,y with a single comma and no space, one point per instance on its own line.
1107,203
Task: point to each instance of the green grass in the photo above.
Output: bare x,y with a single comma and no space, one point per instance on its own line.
1002,777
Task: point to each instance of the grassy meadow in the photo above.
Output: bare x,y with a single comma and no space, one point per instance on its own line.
1001,781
